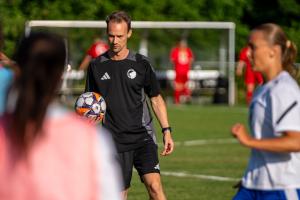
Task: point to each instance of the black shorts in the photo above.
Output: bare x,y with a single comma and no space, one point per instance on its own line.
144,159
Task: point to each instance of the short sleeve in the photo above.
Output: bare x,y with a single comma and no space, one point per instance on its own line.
286,109
243,55
91,51
90,84
6,77
151,84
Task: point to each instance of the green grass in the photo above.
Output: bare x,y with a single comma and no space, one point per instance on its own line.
227,160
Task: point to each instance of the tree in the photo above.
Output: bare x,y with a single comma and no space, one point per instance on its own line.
245,13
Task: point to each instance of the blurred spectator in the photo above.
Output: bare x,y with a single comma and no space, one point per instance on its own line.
251,77
6,77
45,151
7,68
182,57
98,47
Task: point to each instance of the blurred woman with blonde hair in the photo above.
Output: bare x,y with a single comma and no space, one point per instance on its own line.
274,120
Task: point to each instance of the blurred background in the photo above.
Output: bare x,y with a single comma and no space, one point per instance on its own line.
207,162
207,44
244,13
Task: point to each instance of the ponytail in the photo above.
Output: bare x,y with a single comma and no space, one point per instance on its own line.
289,55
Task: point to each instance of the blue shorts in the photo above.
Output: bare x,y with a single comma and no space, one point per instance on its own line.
251,194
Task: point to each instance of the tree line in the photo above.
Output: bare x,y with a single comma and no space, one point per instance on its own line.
246,14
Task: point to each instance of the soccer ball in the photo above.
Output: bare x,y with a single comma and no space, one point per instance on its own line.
90,105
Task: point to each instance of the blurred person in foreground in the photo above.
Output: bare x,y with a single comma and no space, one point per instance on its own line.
125,79
251,77
274,119
98,47
182,58
8,70
45,151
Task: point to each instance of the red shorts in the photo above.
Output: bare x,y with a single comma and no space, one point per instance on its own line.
181,78
181,75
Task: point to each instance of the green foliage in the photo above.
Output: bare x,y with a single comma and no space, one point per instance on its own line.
245,13
282,12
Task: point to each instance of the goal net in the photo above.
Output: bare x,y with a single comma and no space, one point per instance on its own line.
212,43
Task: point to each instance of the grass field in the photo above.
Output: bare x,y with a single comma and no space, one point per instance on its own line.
204,151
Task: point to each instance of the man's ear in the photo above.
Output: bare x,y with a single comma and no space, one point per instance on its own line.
129,33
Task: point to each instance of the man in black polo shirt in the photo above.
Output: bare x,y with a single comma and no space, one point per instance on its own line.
124,79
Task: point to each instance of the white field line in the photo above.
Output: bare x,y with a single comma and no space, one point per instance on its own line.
199,176
204,142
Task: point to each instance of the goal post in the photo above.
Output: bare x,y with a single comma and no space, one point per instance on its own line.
226,54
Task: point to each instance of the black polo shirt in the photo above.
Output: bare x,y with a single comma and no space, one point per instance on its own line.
123,84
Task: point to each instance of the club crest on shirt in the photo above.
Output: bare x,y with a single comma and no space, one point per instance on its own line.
131,73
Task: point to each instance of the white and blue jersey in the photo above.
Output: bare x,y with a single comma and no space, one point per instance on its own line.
275,108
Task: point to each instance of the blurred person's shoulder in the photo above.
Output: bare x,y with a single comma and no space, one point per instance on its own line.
64,120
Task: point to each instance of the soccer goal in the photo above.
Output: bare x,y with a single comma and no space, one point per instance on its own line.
213,44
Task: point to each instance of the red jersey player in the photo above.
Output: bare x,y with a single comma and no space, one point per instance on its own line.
251,77
182,57
98,48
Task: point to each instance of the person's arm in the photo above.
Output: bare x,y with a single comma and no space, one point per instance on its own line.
108,169
160,110
288,142
10,64
91,86
285,120
85,62
4,59
239,68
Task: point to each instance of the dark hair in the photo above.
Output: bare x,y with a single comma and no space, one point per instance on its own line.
119,16
40,57
275,36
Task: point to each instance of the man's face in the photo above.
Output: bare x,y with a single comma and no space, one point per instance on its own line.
118,35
